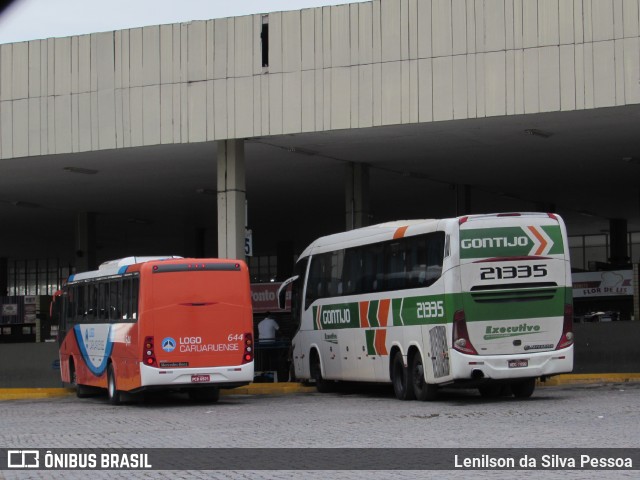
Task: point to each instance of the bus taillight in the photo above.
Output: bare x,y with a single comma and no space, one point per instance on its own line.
148,354
248,348
566,340
461,340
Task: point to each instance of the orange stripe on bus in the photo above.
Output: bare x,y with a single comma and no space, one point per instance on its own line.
383,312
364,309
380,342
399,233
543,242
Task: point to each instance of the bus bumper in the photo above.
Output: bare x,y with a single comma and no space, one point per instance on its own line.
218,376
498,367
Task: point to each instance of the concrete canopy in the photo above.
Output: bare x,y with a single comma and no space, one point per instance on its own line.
148,197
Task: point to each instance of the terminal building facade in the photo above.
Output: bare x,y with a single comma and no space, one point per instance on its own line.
183,138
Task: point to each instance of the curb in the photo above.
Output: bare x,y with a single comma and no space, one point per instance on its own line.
590,378
289,388
269,389
252,389
33,393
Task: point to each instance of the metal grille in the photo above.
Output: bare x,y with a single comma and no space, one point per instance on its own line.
439,351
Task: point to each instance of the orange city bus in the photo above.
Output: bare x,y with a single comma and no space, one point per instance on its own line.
146,323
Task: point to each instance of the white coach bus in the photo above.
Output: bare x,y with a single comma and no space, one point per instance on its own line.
481,301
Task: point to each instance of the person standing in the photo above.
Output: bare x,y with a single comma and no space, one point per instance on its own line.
267,329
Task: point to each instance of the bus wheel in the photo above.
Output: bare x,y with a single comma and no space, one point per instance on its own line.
423,390
112,391
206,394
524,389
322,385
81,390
402,386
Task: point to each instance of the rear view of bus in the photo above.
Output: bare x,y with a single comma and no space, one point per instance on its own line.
158,323
514,318
196,325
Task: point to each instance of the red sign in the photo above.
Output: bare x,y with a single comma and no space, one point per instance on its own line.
264,297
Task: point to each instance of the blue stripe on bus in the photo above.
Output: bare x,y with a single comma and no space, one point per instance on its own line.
122,270
99,369
71,277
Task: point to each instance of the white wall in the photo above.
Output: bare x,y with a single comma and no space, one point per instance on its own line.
349,66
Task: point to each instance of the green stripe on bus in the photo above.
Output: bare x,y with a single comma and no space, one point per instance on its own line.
423,310
504,306
370,336
342,315
372,315
508,304
396,309
507,242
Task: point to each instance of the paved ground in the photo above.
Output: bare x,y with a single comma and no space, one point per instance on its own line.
602,415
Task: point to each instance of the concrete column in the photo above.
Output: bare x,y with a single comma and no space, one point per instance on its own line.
85,237
618,242
357,203
463,200
231,199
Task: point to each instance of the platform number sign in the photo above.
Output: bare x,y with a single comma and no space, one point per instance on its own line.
248,243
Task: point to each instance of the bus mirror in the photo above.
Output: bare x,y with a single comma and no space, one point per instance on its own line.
282,292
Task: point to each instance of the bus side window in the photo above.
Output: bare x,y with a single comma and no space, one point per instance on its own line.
81,308
394,270
92,304
126,299
351,271
315,284
417,262
372,269
334,277
435,256
103,296
114,300
135,287
70,304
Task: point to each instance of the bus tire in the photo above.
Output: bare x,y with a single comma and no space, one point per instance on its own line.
402,384
524,389
423,390
206,394
112,390
81,390
322,385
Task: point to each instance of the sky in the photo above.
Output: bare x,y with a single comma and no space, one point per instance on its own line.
35,19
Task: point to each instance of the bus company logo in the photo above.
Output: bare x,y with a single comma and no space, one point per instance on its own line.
531,239
23,458
89,333
168,344
493,333
331,338
494,242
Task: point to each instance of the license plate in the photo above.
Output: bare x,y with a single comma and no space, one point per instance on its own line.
518,363
200,378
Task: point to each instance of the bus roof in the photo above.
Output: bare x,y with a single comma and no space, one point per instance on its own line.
366,235
116,267
400,228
